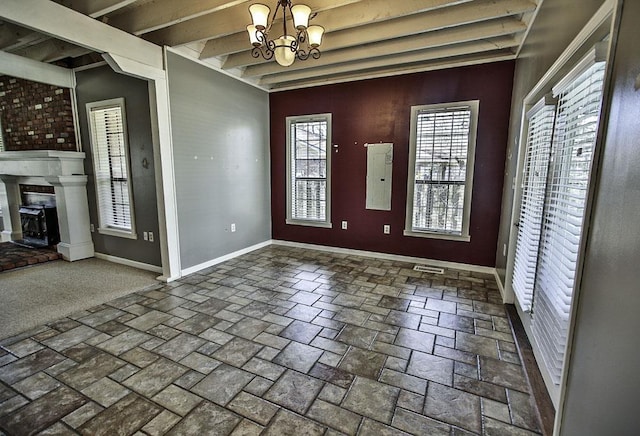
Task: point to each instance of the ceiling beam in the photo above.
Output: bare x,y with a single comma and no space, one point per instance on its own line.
341,14
410,25
96,8
12,36
413,24
51,50
17,66
461,61
386,61
63,23
456,35
164,13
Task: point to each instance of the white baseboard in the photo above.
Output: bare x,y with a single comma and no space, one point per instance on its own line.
387,256
200,267
128,262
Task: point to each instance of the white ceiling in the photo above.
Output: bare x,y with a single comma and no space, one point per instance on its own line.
364,38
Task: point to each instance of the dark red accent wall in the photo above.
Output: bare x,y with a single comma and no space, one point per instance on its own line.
379,110
35,116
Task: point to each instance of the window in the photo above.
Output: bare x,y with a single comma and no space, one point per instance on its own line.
442,146
534,182
110,150
308,170
556,175
1,139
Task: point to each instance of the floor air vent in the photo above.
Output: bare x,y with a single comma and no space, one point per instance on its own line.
428,269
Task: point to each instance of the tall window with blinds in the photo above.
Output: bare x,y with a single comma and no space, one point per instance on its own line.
441,169
110,151
556,175
308,170
578,113
534,183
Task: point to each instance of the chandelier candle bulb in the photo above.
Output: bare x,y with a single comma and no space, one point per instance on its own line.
315,35
259,15
301,15
284,54
253,35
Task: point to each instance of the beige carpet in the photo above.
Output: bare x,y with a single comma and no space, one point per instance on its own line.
36,295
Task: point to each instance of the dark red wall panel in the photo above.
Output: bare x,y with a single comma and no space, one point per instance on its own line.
379,110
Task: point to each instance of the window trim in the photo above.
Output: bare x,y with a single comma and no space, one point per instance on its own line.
297,221
465,235
102,228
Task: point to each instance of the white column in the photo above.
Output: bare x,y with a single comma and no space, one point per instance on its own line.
73,209
10,204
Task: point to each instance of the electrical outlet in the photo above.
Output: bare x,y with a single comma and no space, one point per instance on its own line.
344,225
233,227
386,229
92,228
150,236
145,236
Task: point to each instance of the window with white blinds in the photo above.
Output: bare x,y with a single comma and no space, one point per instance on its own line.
308,170
578,112
442,147
1,137
534,182
110,151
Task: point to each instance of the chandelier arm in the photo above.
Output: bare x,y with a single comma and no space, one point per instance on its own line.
315,53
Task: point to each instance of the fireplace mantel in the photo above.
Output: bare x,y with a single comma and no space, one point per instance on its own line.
41,163
64,170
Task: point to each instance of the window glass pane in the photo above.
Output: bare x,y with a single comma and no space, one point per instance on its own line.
111,167
308,156
441,159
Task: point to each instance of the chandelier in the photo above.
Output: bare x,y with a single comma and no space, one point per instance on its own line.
303,45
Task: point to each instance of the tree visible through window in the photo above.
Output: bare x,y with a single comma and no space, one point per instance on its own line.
111,163
308,158
441,169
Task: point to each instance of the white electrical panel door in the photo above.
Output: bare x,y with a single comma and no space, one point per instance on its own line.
379,171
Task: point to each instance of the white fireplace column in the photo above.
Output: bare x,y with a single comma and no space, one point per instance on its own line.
10,204
73,209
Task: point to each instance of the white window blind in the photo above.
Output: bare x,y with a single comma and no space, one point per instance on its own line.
442,148
308,178
578,112
534,182
1,137
111,165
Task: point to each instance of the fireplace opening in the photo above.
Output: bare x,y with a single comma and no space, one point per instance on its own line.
39,225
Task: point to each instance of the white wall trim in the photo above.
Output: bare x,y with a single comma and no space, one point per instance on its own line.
129,262
500,286
224,258
24,68
387,256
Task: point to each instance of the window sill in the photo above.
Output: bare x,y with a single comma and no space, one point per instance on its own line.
118,233
323,224
460,238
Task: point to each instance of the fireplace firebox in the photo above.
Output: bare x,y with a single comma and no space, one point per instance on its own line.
39,225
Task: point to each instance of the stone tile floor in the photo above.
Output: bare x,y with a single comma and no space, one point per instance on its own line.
280,341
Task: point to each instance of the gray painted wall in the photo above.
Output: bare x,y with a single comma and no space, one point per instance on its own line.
102,84
604,377
220,129
556,25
